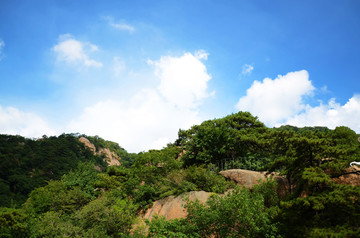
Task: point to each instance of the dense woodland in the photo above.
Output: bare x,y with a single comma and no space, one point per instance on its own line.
56,187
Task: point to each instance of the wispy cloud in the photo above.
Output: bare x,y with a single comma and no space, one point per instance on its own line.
247,69
120,25
2,45
72,51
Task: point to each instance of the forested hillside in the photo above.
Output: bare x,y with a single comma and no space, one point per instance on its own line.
57,187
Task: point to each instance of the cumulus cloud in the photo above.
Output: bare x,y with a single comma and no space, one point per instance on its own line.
274,101
247,69
74,52
183,80
330,115
152,117
16,122
2,45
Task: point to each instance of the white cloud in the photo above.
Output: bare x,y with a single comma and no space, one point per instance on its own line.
183,80
120,25
330,115
16,122
145,122
281,101
152,117
2,45
247,69
274,101
74,52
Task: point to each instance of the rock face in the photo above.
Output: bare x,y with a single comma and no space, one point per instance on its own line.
173,207
110,157
351,176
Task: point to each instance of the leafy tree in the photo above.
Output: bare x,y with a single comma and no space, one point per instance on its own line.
85,177
57,197
13,223
236,135
109,215
311,159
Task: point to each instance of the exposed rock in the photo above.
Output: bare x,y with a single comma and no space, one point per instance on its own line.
110,157
173,207
248,178
351,176
88,144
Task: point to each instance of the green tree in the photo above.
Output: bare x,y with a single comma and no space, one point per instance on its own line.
109,215
13,223
57,197
234,136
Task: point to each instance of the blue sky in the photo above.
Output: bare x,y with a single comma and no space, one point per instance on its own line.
135,72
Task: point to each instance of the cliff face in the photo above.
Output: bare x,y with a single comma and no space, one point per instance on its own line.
110,157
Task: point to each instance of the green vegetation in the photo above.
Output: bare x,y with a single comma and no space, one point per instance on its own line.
240,213
26,164
56,187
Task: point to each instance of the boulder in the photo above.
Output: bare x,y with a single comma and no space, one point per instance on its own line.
248,179
174,207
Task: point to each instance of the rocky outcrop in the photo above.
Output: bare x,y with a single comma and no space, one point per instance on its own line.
244,177
88,144
248,178
351,176
174,207
110,157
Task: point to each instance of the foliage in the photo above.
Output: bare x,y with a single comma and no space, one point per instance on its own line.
176,228
234,136
12,223
240,213
85,177
193,178
311,159
26,164
55,196
109,214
